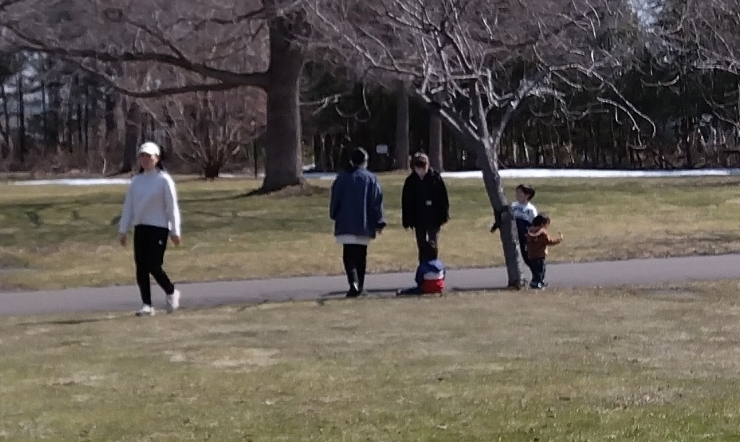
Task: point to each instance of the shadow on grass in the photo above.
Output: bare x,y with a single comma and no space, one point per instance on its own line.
72,321
385,293
453,290
292,191
303,189
343,294
208,199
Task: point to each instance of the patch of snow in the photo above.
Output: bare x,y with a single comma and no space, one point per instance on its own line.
74,182
505,173
591,173
572,173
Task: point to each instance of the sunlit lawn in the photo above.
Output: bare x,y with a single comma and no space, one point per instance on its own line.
55,236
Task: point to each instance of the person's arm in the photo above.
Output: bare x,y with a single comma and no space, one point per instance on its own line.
495,226
334,199
127,213
172,207
534,213
406,199
553,241
444,201
377,205
497,216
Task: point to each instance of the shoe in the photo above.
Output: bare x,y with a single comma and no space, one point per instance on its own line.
354,291
145,310
408,292
173,301
539,286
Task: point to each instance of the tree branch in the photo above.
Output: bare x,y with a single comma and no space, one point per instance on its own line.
257,79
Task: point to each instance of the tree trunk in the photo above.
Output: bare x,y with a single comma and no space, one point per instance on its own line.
319,153
502,213
78,111
435,141
488,162
401,151
44,113
21,121
283,153
111,134
131,138
7,148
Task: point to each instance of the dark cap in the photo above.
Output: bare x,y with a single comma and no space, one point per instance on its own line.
420,159
358,157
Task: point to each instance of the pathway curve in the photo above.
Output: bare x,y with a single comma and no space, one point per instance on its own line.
210,294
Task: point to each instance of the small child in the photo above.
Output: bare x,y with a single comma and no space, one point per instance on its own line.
537,241
524,214
430,275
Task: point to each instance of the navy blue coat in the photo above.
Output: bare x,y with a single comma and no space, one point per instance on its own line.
356,205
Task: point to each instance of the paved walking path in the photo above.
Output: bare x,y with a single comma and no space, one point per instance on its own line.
605,274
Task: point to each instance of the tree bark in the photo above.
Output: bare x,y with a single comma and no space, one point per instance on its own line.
283,153
435,140
111,133
503,214
401,151
7,149
21,121
488,162
131,138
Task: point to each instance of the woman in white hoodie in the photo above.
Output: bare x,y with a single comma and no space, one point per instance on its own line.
151,208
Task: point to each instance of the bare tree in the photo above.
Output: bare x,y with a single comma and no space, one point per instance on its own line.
228,44
476,61
401,151
208,129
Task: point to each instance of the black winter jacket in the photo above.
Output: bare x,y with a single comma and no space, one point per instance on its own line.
424,203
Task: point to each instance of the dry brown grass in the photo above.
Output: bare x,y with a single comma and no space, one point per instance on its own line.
65,236
634,364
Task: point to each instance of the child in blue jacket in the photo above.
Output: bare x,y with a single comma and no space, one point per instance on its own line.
430,275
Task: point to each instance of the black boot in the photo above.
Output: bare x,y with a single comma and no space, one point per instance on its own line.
350,268
361,269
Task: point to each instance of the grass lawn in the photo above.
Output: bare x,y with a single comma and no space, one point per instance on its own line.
59,237
632,364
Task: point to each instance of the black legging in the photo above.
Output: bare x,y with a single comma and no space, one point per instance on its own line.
150,244
354,257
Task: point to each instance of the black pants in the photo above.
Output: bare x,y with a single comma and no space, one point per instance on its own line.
355,265
150,244
523,250
424,234
538,266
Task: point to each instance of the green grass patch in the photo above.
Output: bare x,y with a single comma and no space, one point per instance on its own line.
59,237
631,364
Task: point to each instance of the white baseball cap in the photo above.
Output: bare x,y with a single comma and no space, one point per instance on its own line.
150,148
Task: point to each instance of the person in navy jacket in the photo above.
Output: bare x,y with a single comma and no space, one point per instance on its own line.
356,207
430,275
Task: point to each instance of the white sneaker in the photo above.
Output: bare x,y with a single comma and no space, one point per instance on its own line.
146,310
173,301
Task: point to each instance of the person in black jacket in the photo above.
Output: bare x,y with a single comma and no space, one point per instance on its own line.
424,204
